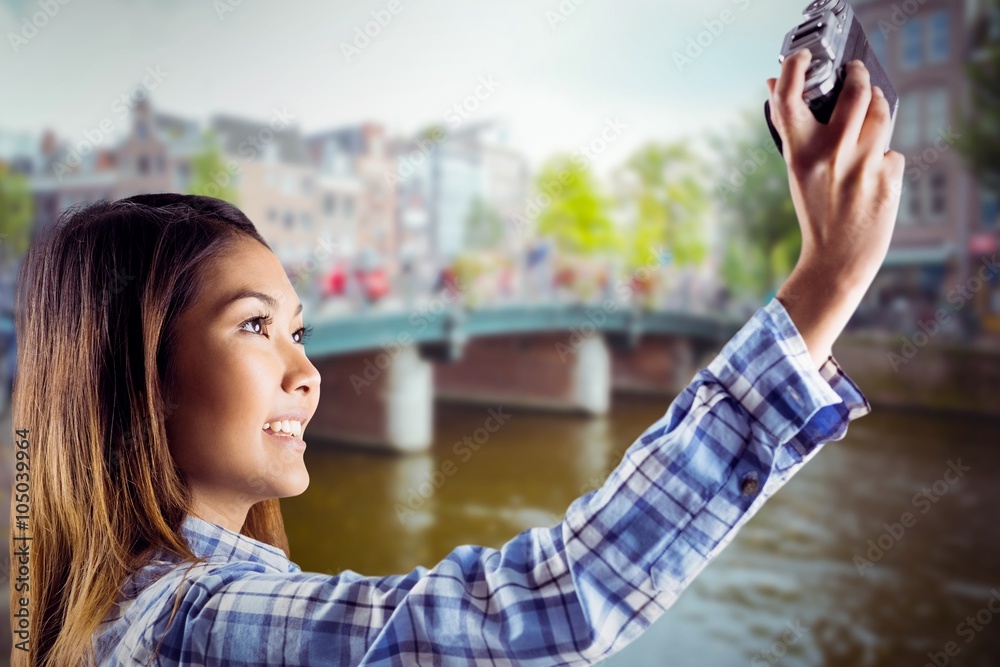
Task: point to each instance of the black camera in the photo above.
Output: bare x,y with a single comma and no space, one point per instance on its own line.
835,36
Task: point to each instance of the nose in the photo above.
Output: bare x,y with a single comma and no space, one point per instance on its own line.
301,374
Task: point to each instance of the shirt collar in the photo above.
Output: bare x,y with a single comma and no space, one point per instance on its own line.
214,543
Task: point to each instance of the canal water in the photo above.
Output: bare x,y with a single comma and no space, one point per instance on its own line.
789,590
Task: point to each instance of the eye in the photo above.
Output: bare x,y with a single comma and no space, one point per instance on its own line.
256,321
303,333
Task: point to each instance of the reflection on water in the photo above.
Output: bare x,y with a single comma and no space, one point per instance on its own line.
787,591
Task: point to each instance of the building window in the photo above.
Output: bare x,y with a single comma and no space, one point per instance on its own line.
142,131
161,163
937,107
143,164
910,209
990,209
939,37
329,204
912,43
937,194
289,219
907,132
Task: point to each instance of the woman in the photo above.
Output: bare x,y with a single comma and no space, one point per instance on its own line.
164,390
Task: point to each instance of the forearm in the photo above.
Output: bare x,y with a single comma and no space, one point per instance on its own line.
820,304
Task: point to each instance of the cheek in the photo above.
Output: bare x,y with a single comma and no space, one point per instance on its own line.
222,396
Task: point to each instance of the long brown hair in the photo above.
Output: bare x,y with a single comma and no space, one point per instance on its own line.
99,292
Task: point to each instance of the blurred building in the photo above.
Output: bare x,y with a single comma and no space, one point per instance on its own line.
280,190
309,216
946,223
360,153
442,176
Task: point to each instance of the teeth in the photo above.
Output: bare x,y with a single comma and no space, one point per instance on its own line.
286,426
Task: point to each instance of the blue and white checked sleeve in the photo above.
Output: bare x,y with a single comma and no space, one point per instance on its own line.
571,594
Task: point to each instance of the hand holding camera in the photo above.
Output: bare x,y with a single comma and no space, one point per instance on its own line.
845,188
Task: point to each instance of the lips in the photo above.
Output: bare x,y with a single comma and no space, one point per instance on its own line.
289,441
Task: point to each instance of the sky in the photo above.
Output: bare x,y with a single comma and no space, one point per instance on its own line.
559,70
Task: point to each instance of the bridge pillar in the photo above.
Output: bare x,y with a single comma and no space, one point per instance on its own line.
379,399
556,371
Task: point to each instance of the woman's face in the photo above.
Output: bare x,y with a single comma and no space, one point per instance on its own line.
235,372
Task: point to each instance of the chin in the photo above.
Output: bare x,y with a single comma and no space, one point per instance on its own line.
296,486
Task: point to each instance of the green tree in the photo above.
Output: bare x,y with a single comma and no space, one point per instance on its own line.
980,140
761,233
484,229
661,187
577,217
209,174
17,210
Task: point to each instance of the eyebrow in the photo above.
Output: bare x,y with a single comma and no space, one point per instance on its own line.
254,294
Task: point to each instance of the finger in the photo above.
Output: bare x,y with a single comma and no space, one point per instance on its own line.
895,170
897,165
794,114
852,104
875,130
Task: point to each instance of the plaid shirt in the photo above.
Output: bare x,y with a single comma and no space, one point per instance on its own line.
571,594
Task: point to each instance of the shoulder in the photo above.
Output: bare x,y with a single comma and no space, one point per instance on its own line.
145,607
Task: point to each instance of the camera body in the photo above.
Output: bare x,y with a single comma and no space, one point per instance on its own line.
835,36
